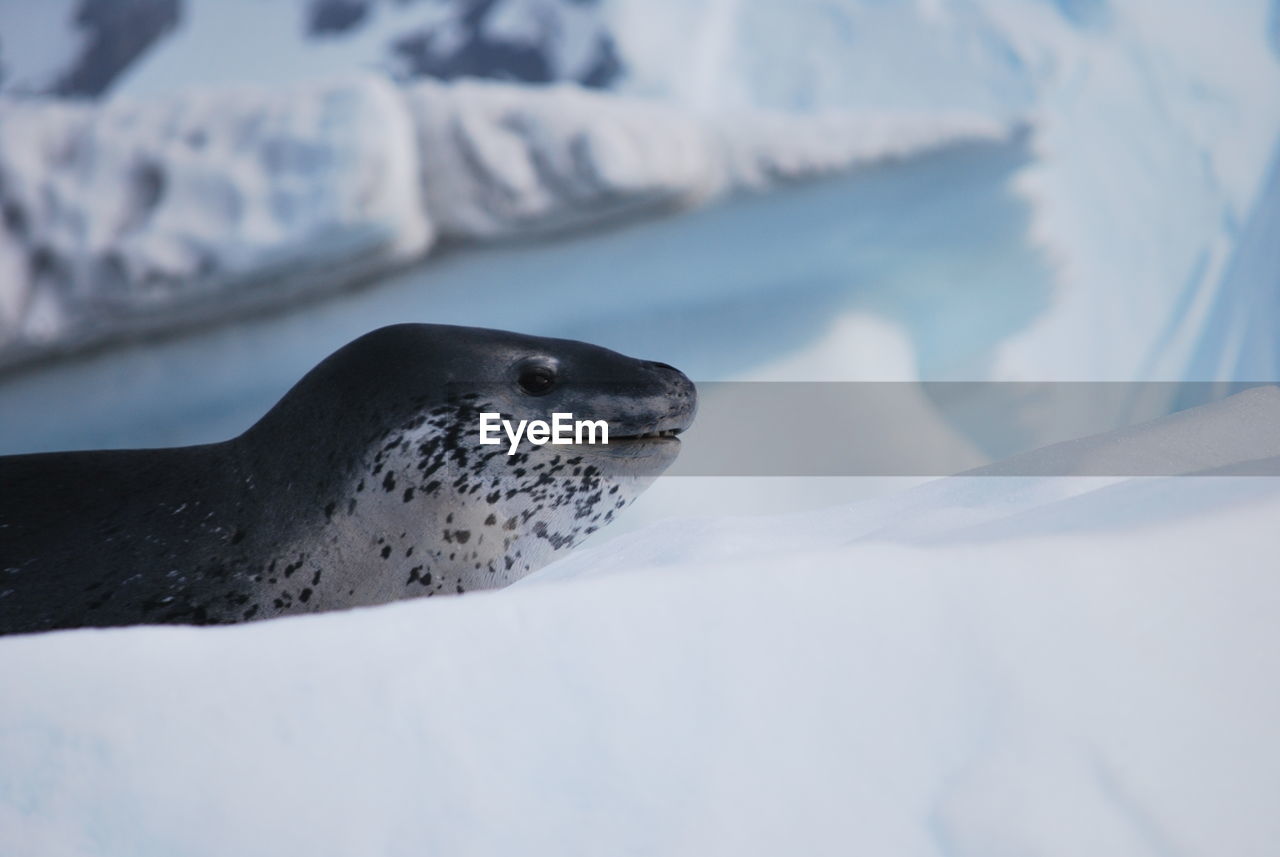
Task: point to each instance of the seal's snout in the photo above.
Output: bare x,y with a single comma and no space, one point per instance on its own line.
649,400
681,395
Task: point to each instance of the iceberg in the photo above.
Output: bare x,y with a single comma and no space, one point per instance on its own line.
143,214
1153,160
501,160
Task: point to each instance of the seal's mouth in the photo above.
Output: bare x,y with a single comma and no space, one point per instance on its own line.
663,434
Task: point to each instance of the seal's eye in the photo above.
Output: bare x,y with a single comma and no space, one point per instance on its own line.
536,379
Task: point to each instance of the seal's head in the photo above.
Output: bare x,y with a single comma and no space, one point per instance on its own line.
408,501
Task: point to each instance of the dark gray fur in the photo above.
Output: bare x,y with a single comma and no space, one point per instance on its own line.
365,484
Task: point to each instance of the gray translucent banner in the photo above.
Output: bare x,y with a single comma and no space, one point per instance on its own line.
1006,429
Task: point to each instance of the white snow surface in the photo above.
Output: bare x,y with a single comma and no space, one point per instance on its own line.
982,666
144,212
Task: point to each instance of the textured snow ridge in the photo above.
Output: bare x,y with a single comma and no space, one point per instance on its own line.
501,159
1054,666
121,217
139,214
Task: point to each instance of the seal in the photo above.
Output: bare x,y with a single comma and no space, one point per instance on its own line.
367,483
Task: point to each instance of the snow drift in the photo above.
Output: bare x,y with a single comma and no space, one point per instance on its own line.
936,673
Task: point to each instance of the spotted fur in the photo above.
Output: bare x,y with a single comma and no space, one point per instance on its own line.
366,484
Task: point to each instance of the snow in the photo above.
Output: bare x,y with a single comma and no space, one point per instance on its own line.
1082,484
138,214
125,217
823,684
725,292
1155,127
1152,145
1003,662
502,160
277,43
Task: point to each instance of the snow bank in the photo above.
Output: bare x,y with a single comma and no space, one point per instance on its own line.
139,214
122,218
804,684
501,160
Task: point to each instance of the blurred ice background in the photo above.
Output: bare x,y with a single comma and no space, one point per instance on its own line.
202,198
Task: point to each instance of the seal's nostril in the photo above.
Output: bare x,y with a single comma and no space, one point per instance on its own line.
663,365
